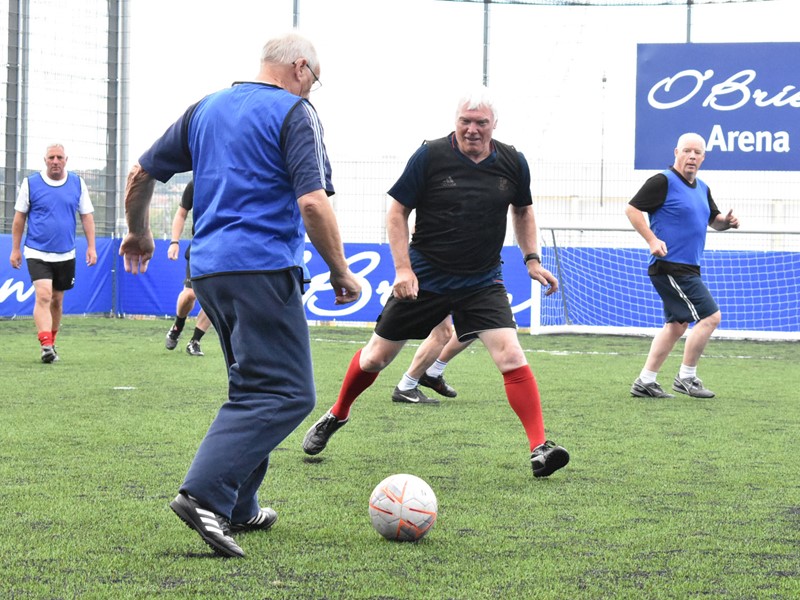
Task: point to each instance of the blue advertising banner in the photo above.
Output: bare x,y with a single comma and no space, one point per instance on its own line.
372,263
106,288
93,285
155,292
744,99
585,273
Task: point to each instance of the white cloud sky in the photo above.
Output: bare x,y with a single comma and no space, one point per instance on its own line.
393,70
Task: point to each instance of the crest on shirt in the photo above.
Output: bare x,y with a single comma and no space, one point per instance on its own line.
502,184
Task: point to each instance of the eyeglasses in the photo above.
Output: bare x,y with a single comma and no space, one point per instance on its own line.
317,83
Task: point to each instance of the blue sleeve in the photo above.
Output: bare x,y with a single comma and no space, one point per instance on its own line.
304,150
170,153
410,186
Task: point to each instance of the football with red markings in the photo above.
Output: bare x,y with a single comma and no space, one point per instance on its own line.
403,508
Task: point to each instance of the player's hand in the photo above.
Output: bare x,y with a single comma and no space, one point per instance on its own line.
538,273
137,250
658,248
172,251
346,287
406,286
731,221
16,259
91,257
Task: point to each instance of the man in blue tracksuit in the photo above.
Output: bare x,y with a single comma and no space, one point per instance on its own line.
261,179
680,209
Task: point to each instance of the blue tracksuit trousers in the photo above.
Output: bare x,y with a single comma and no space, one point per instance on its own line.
261,324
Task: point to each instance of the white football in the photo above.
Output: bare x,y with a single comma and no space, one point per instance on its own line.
403,508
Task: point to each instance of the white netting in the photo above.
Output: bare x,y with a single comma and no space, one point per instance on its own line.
754,277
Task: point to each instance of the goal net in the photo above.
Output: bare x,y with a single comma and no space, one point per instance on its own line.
604,288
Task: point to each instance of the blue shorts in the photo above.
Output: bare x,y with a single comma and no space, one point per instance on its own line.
686,298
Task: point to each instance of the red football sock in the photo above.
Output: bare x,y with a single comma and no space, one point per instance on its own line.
46,338
523,396
355,382
54,332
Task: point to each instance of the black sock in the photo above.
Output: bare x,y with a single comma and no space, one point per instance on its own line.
179,323
198,334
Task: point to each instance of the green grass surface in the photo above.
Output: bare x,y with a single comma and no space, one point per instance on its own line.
678,498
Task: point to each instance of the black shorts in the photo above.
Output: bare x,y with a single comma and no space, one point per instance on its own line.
187,283
62,273
473,311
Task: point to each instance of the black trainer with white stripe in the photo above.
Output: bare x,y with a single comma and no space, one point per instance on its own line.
265,519
213,528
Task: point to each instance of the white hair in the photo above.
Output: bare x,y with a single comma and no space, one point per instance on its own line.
55,145
690,137
479,97
287,48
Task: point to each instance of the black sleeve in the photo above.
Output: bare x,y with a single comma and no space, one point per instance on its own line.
187,199
651,195
713,206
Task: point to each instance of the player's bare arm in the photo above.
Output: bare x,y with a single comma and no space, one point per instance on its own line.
87,222
524,223
137,247
178,222
724,222
323,231
406,286
639,222
17,227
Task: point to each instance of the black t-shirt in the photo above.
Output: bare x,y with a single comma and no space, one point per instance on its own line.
187,203
463,210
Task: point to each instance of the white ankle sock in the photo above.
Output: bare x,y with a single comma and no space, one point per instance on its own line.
407,383
436,369
648,376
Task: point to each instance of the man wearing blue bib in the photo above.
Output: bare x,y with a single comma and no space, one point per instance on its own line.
680,209
48,202
261,181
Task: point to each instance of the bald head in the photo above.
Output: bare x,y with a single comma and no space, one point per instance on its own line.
689,155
